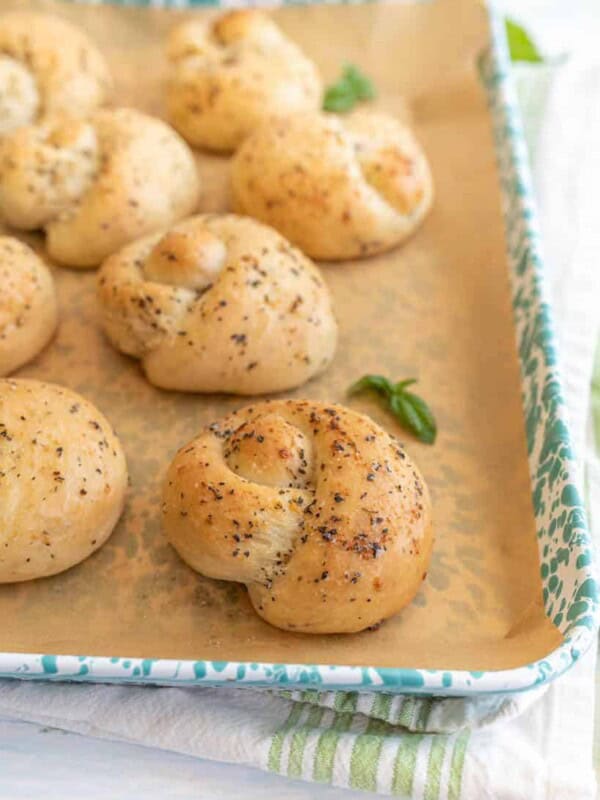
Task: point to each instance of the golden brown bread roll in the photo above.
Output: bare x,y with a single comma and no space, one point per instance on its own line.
62,479
28,309
337,188
231,74
315,508
218,303
47,66
97,184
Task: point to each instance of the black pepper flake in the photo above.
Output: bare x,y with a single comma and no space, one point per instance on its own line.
338,498
328,534
376,548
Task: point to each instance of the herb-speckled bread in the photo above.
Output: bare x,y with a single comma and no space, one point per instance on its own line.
315,508
63,479
28,308
338,188
231,74
47,67
94,185
219,303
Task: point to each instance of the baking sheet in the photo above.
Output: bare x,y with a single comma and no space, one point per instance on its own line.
437,309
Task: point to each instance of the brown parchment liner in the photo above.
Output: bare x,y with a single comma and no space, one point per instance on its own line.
438,309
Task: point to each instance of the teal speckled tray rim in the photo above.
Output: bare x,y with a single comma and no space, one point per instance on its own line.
570,588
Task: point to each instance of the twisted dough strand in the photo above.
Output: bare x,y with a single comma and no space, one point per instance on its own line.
47,67
318,510
219,304
95,185
229,76
338,189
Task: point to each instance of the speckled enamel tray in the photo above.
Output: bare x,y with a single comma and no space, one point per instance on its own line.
563,590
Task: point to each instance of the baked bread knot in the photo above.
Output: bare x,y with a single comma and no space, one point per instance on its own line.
218,303
28,309
337,188
315,508
47,66
231,74
63,479
94,185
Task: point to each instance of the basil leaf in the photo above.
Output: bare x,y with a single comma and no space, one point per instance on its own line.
339,98
377,383
405,414
361,85
411,411
427,427
401,385
520,44
353,87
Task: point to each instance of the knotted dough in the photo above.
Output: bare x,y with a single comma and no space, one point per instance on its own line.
229,75
28,309
219,303
94,185
47,66
338,188
63,479
314,507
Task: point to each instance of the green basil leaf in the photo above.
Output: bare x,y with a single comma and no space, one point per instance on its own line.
352,88
411,411
339,98
428,429
361,85
376,383
520,44
401,385
406,414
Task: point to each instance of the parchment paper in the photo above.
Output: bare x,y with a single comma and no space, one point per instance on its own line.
437,309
